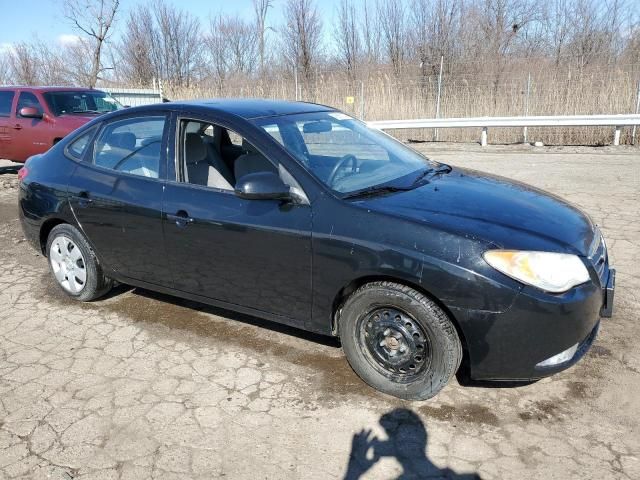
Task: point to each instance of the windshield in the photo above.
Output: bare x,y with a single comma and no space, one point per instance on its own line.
64,103
344,153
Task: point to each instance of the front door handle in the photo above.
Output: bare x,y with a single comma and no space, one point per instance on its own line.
17,126
182,218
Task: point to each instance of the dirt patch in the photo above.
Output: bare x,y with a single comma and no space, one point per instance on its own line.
579,390
543,410
468,413
600,351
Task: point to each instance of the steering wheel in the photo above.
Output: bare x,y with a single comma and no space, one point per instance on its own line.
349,157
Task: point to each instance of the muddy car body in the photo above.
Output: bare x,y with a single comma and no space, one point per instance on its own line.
302,215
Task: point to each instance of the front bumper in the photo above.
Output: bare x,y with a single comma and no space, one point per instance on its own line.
609,289
510,345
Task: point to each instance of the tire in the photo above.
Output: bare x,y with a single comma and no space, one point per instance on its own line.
74,266
399,341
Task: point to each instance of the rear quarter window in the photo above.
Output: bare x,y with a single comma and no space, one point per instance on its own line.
78,147
6,99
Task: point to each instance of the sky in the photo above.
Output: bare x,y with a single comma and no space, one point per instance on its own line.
23,20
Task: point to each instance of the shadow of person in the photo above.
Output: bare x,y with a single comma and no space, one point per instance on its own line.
407,443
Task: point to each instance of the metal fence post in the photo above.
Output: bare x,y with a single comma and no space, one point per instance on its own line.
483,137
435,131
526,107
616,136
633,132
362,100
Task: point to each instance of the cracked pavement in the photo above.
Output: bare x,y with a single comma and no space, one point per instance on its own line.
142,385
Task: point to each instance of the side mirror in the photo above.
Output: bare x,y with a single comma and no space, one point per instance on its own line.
262,186
30,112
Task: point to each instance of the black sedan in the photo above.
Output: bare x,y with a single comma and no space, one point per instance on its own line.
303,215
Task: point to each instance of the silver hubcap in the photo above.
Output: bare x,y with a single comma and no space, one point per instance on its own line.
68,264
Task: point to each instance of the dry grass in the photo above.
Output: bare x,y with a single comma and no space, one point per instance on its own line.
596,90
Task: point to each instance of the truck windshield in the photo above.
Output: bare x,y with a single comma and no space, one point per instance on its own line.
79,102
345,154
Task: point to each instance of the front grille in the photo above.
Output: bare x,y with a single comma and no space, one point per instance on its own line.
598,255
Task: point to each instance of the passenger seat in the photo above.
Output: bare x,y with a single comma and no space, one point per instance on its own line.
199,171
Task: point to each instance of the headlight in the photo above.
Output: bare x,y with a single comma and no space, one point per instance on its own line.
551,272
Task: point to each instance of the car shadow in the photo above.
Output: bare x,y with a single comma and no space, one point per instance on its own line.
406,442
462,376
10,169
227,314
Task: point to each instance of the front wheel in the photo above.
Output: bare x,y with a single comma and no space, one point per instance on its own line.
74,265
399,341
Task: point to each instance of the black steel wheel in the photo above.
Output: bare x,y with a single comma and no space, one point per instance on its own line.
395,343
399,341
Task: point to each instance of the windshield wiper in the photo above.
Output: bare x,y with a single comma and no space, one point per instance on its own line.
85,111
371,191
434,171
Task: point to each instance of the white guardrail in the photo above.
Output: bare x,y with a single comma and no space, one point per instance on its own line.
617,121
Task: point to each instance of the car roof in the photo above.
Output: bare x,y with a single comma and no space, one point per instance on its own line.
248,108
49,89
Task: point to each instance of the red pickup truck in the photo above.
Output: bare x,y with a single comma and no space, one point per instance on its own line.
32,119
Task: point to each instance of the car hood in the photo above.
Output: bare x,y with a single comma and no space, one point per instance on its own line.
75,121
506,213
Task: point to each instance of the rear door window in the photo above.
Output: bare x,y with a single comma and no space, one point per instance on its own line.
6,99
131,146
77,148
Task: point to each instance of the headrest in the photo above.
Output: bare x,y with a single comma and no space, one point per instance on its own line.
250,149
194,148
125,140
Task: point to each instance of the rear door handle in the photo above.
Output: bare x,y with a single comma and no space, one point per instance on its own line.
83,199
17,126
181,219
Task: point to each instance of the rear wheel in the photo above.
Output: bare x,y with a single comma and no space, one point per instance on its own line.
399,341
74,265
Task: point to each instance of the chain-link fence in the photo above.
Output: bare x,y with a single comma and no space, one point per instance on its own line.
527,89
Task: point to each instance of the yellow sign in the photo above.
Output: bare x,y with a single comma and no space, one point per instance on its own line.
350,100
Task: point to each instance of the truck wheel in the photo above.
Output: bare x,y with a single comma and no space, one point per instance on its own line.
74,265
399,341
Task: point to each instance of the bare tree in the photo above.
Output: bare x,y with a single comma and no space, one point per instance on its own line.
369,26
5,69
434,27
53,68
178,44
94,18
301,35
242,43
347,38
596,30
24,64
218,51
135,62
392,22
261,8
558,23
